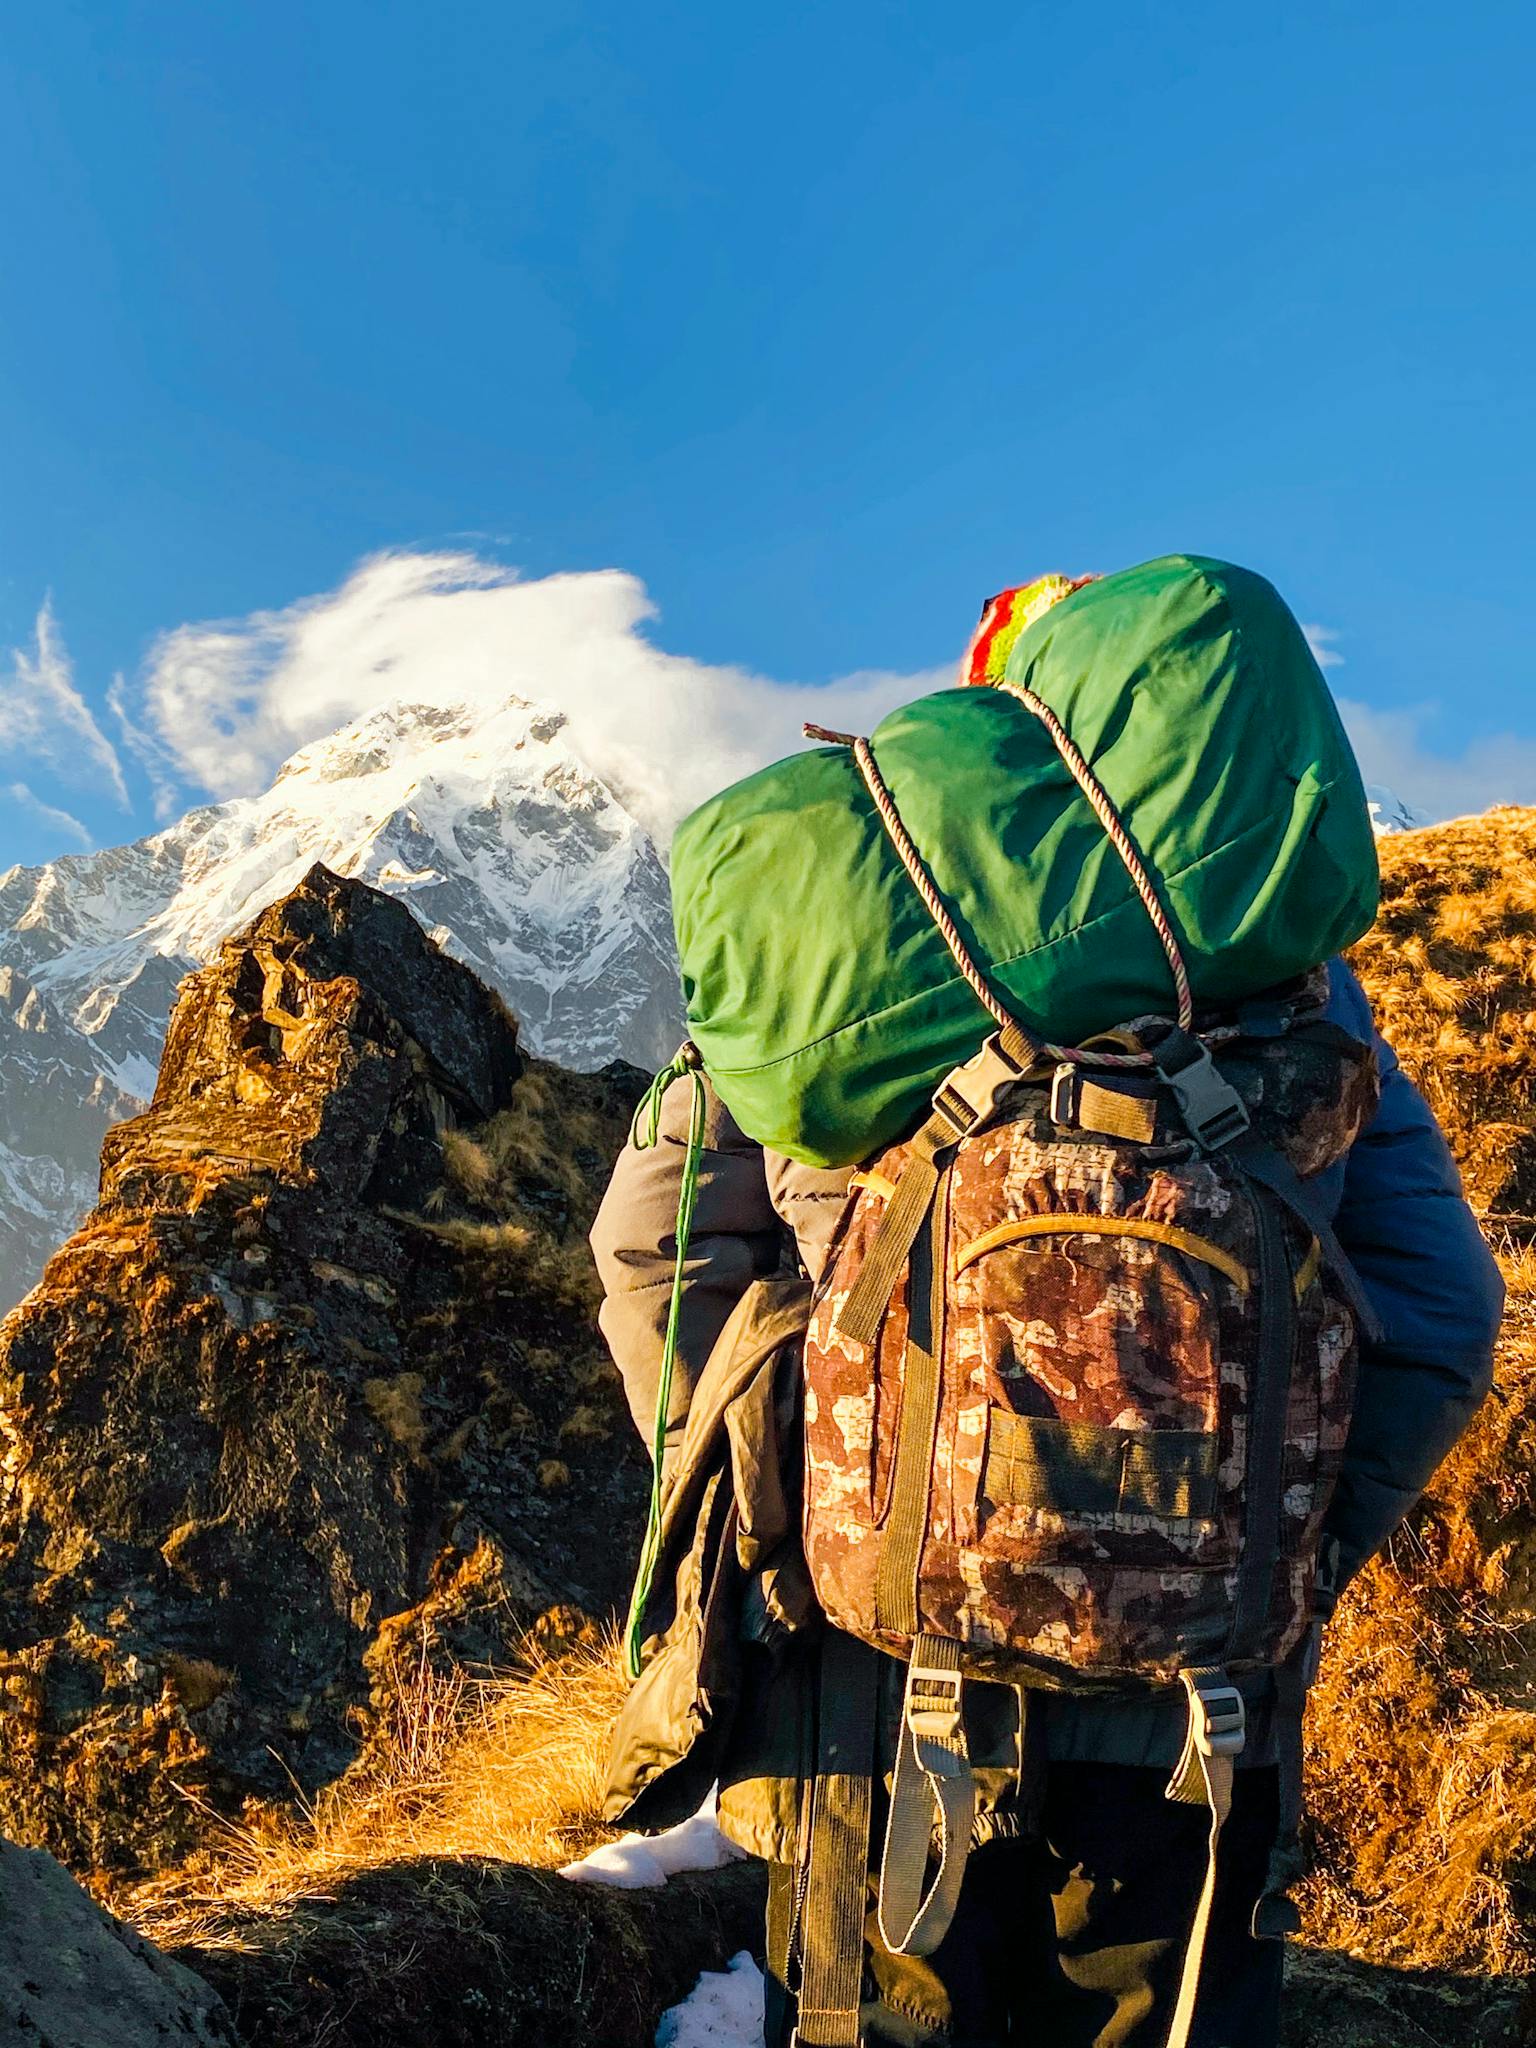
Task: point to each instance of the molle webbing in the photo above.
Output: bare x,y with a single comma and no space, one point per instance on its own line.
831,1929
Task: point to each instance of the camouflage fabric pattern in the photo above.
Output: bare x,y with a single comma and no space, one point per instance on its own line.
1069,1356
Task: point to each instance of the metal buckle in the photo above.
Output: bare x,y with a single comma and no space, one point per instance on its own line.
1211,1107
1223,1727
971,1094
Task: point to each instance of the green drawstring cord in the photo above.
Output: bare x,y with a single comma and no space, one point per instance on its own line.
644,1132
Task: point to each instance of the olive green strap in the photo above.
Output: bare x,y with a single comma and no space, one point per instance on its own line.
963,1102
912,1480
837,1865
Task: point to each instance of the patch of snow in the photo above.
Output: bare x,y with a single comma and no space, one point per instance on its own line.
635,1861
723,2010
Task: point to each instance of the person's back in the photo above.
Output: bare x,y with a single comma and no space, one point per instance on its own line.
1076,1909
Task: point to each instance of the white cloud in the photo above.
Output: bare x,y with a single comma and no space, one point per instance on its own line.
43,715
57,820
1391,751
222,704
229,701
1320,639
1393,756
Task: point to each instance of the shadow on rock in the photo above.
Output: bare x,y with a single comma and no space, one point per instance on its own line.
1337,2001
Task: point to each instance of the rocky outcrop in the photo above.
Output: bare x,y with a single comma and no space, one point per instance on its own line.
73,1977
290,1399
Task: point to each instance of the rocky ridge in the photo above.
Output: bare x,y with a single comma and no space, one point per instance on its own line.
295,1402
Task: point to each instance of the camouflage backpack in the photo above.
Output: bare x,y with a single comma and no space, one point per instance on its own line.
1076,1390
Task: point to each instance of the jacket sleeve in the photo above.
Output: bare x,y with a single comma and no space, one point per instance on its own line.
736,1239
1436,1289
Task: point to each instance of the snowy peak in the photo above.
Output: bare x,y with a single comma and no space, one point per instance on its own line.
483,818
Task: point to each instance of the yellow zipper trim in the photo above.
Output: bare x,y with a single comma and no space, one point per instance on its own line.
875,1182
1311,1265
1107,1226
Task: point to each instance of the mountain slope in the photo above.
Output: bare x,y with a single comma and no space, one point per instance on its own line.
507,848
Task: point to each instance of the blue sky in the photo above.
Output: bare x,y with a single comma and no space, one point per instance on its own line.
821,322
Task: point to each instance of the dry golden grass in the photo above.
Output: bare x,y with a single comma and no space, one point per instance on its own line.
555,1138
1451,971
508,1769
1422,1729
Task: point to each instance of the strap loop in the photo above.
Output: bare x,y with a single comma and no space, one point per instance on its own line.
933,1775
966,1099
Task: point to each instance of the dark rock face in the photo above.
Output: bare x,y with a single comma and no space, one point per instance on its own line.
72,1975
281,1403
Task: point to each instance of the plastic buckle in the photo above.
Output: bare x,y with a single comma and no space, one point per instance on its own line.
1065,1095
1210,1106
936,1718
970,1095
1223,1727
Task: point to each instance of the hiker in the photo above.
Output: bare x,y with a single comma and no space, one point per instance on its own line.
1111,1863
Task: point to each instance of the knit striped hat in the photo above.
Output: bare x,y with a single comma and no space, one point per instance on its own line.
1003,619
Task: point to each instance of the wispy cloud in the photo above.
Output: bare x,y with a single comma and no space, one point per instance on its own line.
229,701
1320,639
44,718
48,814
168,798
1392,752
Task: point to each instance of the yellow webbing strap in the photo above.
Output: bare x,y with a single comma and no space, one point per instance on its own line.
1110,1111
1311,1266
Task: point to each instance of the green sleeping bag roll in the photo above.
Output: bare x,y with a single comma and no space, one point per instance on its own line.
822,997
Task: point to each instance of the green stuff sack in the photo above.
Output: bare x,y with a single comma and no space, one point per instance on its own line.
820,994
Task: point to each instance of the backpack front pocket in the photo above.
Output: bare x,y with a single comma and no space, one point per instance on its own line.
1105,1373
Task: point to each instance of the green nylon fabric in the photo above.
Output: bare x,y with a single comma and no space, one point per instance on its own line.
824,1001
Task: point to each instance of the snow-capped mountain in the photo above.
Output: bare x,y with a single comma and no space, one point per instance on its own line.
507,847
1389,813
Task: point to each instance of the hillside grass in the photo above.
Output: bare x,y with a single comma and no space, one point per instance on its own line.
508,1768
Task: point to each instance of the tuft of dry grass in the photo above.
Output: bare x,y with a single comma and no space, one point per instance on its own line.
508,1769
550,1147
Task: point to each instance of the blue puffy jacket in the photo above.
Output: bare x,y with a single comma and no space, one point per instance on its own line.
1434,1285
